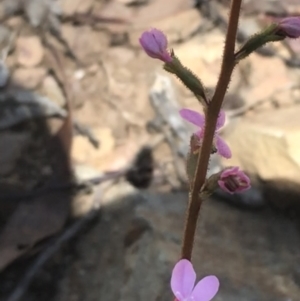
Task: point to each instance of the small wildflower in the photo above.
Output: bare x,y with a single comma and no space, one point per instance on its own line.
183,284
155,44
289,27
234,180
199,120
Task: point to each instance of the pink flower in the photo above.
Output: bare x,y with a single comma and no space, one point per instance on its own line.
234,180
155,44
183,283
289,27
199,120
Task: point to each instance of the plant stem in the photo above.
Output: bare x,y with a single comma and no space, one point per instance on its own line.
214,107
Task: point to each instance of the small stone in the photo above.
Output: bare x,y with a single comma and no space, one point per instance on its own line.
70,7
84,172
30,51
177,27
85,153
52,90
266,146
86,43
29,78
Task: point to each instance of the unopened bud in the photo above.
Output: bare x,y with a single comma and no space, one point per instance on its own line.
155,44
289,27
233,180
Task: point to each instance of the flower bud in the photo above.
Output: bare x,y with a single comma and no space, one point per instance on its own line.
233,180
155,44
289,27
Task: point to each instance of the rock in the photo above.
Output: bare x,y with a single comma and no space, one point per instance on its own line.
15,22
265,78
86,43
121,55
12,145
157,10
84,153
4,74
273,7
267,146
52,90
84,172
250,199
29,78
202,54
133,2
70,7
30,51
177,27
83,203
141,235
19,105
4,35
144,17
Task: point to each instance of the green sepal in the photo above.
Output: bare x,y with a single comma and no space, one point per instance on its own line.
211,184
258,40
187,77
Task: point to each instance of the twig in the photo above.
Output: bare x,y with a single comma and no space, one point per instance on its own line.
68,234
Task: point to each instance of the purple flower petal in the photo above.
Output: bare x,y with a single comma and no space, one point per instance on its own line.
183,279
206,289
155,44
230,171
223,148
160,38
289,27
223,186
221,120
233,180
193,117
245,182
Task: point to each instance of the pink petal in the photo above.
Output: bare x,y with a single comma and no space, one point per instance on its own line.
290,27
230,171
192,117
155,44
160,38
221,120
223,186
200,135
183,279
233,180
243,188
223,148
206,288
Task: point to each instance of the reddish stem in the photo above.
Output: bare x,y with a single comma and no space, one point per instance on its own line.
214,107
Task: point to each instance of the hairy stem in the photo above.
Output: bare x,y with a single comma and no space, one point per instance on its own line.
214,107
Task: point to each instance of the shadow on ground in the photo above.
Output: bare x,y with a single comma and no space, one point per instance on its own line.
128,253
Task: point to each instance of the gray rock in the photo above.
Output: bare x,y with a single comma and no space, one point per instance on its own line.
19,105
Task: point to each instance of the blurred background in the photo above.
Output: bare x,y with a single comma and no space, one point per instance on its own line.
93,190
